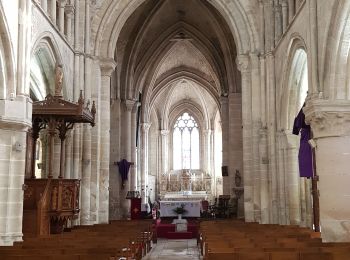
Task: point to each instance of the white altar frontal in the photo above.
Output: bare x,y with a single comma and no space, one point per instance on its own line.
193,208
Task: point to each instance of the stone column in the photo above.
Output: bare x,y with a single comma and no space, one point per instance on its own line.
43,4
206,145
283,209
264,178
127,143
330,124
165,150
133,157
69,9
243,64
53,11
86,176
291,9
271,135
144,160
293,178
278,23
107,68
285,18
225,145
61,5
269,26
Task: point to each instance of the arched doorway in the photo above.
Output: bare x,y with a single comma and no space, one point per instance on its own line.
177,61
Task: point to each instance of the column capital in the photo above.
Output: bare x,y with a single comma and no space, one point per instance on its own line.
69,10
164,132
243,63
130,104
145,126
107,66
328,118
61,3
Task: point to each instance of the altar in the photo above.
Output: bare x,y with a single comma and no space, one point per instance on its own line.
193,208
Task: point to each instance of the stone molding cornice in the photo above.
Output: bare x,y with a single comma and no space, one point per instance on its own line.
328,118
107,67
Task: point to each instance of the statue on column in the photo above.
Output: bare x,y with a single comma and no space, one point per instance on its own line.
58,80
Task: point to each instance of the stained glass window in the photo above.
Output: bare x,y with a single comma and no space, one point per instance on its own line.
186,143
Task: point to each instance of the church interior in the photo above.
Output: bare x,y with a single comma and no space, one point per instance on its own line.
175,129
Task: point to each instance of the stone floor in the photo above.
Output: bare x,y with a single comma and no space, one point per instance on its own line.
184,249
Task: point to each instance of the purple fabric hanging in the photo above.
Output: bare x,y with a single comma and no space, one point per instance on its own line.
305,150
124,167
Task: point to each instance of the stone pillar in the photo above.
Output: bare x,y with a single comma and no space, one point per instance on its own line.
293,178
291,9
282,182
206,145
243,64
330,124
133,156
12,161
278,23
43,4
86,176
269,26
61,5
53,12
165,151
225,145
285,18
107,68
144,160
264,178
271,137
69,9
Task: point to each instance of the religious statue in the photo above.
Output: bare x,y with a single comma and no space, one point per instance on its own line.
58,80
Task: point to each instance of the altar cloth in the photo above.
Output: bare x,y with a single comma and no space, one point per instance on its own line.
193,208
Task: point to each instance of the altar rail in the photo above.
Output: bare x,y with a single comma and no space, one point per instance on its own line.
48,204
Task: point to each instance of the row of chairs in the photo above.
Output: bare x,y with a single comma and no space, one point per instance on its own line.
237,240
118,240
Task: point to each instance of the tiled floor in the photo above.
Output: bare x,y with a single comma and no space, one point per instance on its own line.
174,250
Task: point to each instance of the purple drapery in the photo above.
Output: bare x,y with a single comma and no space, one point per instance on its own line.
124,167
305,150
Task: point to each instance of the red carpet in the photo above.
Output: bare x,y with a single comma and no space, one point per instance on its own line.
167,230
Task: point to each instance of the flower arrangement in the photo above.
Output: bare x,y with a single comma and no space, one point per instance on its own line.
180,210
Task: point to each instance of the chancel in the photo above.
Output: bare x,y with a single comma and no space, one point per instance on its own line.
131,127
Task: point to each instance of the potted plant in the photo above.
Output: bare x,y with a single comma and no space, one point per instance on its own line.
180,210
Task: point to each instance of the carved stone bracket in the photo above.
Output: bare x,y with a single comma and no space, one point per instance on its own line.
145,127
243,63
107,66
328,118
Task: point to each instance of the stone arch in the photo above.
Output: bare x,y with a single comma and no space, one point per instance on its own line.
336,64
117,12
296,62
7,63
47,51
295,85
